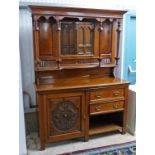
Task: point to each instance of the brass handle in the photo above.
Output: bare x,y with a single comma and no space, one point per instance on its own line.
116,93
115,105
98,107
65,115
98,96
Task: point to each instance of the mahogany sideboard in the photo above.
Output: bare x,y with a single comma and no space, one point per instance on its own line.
76,51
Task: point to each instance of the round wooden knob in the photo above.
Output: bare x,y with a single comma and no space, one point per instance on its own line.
98,107
116,105
116,93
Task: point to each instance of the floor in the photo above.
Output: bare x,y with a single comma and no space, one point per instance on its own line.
76,144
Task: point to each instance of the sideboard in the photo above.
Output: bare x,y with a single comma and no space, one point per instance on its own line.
76,51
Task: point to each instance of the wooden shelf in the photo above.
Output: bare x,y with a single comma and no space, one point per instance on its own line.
74,66
105,123
68,66
70,57
108,65
42,69
84,65
96,129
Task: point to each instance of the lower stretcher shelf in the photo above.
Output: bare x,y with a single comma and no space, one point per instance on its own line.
104,128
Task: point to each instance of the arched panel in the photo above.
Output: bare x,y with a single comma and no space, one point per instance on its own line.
64,40
87,36
46,31
72,40
80,38
106,38
45,38
88,40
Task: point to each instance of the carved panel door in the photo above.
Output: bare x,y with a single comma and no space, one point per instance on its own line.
65,116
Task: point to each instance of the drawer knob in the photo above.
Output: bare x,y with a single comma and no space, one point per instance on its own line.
116,93
116,105
98,96
98,107
65,115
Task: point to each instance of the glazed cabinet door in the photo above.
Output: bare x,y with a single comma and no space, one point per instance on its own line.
65,116
77,38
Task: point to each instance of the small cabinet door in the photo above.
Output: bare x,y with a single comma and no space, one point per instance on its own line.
65,116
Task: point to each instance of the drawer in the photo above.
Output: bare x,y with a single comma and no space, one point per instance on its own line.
106,107
106,93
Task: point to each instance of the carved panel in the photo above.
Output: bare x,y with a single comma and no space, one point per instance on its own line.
65,116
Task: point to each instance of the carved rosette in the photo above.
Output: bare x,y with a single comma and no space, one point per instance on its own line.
65,116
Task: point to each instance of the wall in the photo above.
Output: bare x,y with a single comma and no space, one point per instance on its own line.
129,55
22,139
26,54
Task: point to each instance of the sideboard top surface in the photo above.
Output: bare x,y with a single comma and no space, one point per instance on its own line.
83,82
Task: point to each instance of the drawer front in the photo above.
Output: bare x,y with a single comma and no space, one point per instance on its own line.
106,93
106,107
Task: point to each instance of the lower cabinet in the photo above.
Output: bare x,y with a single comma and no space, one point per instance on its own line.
70,114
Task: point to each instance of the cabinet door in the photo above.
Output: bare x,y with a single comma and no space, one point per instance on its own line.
77,38
68,41
65,116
